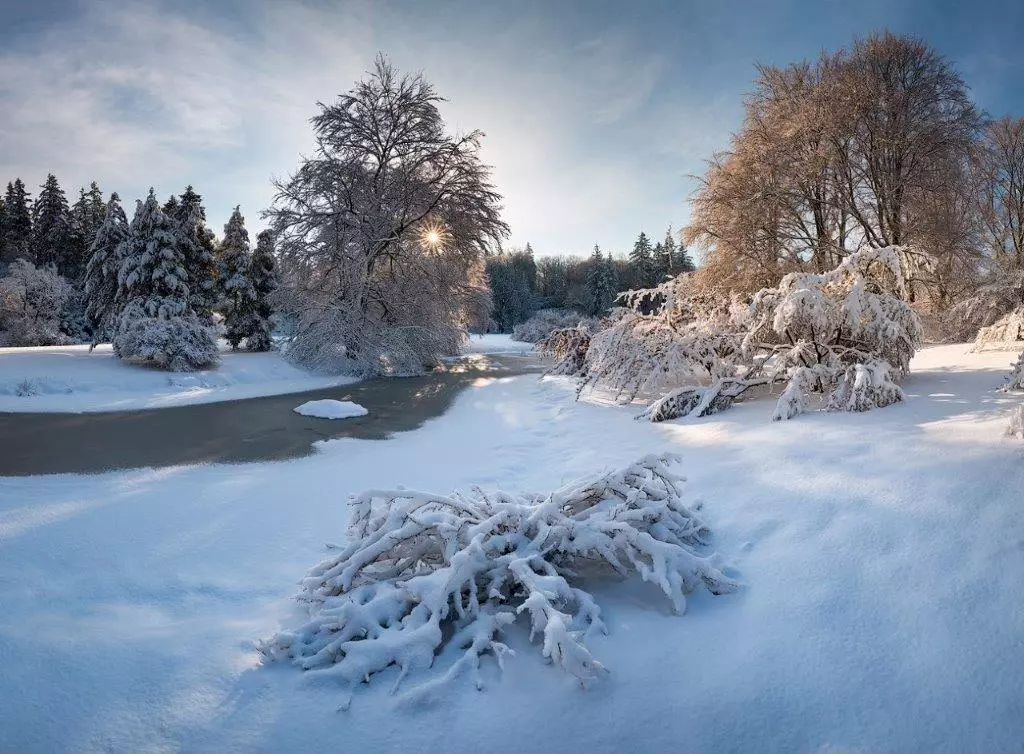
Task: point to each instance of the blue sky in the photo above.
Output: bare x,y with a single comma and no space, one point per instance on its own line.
595,112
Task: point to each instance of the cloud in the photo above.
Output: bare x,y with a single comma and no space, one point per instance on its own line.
140,94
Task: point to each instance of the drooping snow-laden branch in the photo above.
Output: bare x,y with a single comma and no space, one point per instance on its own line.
424,573
847,335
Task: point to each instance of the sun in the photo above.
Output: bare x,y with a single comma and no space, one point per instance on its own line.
433,237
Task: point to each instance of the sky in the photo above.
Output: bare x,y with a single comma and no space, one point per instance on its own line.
597,114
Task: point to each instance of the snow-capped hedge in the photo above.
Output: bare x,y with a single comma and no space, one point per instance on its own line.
425,575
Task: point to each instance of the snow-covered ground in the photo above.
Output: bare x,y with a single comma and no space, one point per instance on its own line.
70,378
882,556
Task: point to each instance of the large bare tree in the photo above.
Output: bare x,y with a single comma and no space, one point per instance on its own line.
382,231
867,146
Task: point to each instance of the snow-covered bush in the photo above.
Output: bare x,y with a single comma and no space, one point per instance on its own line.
981,314
568,348
1005,334
847,334
156,324
32,303
663,338
546,321
425,575
178,344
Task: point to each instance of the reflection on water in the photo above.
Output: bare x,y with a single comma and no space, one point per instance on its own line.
259,429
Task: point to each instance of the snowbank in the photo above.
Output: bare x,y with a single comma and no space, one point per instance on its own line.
330,409
70,378
881,554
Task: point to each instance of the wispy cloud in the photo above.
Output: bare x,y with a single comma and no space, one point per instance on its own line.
137,94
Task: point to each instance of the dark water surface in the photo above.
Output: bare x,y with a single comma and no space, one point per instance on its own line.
255,429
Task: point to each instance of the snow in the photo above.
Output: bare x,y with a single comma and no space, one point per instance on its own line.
496,343
330,409
70,378
882,557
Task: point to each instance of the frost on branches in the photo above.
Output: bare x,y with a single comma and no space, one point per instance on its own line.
847,334
1016,427
156,324
32,300
546,321
425,575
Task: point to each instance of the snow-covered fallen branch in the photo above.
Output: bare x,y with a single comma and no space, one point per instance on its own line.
423,572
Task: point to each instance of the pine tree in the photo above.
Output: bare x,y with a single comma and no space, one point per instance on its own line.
17,239
239,302
101,271
602,282
671,254
87,215
195,241
51,230
643,262
263,275
156,324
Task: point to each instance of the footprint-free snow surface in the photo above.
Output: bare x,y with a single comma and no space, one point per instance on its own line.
882,556
329,408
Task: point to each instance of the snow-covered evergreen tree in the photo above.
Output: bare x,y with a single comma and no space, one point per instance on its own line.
16,242
156,323
426,576
101,272
239,301
263,277
662,260
642,259
51,230
87,215
195,243
601,283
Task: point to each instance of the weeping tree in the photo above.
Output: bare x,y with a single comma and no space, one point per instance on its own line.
382,231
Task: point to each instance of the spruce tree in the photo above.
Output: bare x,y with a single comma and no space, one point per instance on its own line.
239,301
662,263
101,271
16,242
51,230
263,275
671,252
602,282
156,324
642,260
87,215
195,241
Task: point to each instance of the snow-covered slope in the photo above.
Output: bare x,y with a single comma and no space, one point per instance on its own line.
882,556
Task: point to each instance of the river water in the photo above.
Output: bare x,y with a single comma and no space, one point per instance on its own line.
256,429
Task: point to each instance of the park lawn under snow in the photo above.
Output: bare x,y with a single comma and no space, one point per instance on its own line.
882,556
71,378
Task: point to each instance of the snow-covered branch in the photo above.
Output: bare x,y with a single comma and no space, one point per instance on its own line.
423,573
